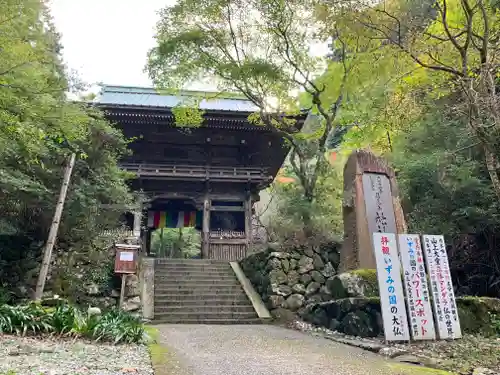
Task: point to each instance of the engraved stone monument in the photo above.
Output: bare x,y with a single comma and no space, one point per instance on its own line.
371,204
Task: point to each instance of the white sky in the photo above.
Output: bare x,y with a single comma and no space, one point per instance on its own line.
107,40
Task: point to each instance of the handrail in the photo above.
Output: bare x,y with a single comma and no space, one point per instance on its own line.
170,170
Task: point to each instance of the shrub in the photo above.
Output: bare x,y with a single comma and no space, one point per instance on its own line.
65,319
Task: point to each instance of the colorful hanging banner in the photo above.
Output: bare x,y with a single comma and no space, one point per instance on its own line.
417,292
445,306
392,301
173,219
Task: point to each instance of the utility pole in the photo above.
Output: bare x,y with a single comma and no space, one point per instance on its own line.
47,251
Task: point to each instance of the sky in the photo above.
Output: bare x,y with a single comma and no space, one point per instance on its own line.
108,40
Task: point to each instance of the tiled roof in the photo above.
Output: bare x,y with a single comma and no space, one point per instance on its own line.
150,97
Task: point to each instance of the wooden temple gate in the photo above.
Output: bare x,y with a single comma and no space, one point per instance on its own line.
207,176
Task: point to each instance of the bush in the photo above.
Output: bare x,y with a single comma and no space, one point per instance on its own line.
116,326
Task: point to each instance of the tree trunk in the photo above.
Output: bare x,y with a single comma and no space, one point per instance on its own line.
492,164
47,252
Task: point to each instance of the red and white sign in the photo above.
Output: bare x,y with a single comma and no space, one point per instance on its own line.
417,292
445,306
392,301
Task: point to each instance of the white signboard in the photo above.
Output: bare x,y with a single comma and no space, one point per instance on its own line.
417,292
445,307
391,288
126,256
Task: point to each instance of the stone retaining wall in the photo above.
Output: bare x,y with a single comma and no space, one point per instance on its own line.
288,281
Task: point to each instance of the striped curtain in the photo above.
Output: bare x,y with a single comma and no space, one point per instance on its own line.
174,219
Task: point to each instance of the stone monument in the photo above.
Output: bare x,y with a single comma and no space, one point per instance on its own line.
371,204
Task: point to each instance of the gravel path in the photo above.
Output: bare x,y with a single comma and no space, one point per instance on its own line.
28,356
269,350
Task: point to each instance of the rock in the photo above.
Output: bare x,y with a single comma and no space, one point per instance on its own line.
293,277
273,263
299,288
483,371
392,351
309,252
317,276
358,323
286,265
316,298
312,288
318,317
284,290
334,258
305,279
295,301
277,277
279,255
296,255
92,289
94,311
352,284
318,262
305,265
334,324
328,271
132,304
293,264
132,286
283,314
115,293
275,301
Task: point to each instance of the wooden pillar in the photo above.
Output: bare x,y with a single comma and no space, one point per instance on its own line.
206,229
248,222
148,241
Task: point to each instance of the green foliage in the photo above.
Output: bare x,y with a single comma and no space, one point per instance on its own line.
115,326
39,129
176,243
289,209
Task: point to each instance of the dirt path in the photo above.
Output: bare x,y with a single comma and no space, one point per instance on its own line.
269,350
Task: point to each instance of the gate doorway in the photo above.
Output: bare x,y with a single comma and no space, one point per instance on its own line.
176,243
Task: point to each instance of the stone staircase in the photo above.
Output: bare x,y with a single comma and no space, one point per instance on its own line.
196,291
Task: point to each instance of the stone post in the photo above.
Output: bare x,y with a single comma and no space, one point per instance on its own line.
371,204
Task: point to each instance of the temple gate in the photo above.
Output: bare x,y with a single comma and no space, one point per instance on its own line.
207,177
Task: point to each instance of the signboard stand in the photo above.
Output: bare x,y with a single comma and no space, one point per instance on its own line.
392,301
122,289
445,307
417,293
125,264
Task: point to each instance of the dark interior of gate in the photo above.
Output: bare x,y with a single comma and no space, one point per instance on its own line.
206,177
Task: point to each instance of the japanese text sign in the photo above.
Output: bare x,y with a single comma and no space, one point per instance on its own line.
417,292
378,203
445,307
391,288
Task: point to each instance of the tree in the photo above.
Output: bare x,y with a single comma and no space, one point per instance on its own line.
39,130
262,49
458,42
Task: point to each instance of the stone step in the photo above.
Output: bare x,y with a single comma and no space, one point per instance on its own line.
196,282
176,320
195,274
202,301
192,262
232,296
204,309
211,269
200,290
197,316
159,285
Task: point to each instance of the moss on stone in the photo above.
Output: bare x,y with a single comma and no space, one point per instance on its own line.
369,276
474,314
